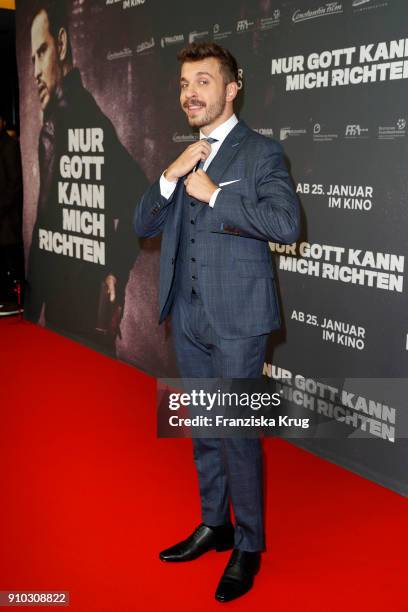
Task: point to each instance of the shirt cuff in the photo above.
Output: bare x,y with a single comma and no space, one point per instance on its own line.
167,187
214,197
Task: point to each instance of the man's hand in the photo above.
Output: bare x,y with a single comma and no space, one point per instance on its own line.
110,282
199,185
194,153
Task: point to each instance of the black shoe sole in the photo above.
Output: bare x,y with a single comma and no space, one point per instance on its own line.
216,549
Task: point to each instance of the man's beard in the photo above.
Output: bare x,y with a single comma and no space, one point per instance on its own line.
211,114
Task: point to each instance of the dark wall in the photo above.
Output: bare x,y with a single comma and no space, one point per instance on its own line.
9,78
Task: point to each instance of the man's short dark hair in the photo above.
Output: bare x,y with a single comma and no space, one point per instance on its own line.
195,52
57,13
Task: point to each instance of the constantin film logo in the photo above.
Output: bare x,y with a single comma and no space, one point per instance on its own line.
330,8
116,55
184,137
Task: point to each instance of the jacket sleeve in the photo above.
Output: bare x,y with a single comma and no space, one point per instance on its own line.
151,212
274,214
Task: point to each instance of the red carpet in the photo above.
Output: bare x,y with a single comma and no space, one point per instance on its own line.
89,496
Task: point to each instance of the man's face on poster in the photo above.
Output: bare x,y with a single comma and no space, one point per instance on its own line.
202,91
44,55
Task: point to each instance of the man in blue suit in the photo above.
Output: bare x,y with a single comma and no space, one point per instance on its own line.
217,206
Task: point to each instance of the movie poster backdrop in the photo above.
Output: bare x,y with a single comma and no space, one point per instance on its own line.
326,79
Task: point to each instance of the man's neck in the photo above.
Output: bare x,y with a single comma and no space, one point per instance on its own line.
206,130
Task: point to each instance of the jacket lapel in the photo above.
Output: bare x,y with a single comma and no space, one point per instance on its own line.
228,151
215,171
178,207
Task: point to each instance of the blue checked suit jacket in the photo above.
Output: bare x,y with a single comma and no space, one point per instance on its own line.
235,273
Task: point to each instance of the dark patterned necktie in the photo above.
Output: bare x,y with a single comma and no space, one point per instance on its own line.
202,162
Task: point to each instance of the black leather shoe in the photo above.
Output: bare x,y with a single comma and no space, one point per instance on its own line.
202,540
238,576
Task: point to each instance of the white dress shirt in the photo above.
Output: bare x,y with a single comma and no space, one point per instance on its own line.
220,133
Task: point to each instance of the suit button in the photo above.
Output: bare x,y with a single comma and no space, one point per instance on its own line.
172,261
192,203
192,222
194,277
192,240
193,259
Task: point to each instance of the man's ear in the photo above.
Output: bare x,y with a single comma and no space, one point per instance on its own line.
62,44
231,92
